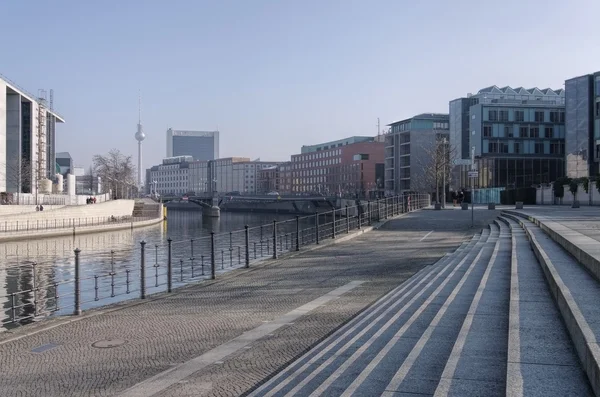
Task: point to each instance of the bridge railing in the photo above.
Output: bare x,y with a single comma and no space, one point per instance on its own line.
91,279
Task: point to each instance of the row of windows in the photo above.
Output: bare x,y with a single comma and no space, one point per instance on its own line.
315,156
523,131
525,115
524,147
319,163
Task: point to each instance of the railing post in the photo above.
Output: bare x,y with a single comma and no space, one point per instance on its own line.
297,232
169,266
77,296
333,225
143,270
247,238
274,239
378,210
347,220
369,212
212,255
317,227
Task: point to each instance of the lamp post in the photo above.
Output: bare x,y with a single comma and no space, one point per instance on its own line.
444,175
473,188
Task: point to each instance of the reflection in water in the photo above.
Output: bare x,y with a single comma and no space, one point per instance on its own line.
36,276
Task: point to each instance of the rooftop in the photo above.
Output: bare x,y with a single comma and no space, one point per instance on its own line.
495,90
424,116
14,88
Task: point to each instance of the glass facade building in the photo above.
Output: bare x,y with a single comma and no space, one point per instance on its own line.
583,125
517,136
201,145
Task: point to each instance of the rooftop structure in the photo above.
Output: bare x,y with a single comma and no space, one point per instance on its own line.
333,144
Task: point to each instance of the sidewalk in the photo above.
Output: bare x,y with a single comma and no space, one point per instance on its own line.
238,330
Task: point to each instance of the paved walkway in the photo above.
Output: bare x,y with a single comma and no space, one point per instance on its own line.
225,337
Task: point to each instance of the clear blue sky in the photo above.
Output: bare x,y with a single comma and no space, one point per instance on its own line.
273,75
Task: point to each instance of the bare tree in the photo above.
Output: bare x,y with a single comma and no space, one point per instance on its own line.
116,171
435,163
19,177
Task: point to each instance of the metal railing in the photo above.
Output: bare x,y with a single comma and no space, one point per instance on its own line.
110,277
35,225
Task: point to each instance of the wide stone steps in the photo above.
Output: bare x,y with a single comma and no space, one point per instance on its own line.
555,307
368,354
482,321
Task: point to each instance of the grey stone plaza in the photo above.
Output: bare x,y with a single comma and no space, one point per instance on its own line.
424,304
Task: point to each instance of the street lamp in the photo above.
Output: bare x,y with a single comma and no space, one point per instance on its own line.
444,175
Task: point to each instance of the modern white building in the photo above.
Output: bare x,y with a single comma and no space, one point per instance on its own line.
180,175
201,145
27,139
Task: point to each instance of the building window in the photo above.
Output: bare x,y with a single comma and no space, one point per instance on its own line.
549,132
493,115
518,147
493,147
519,116
503,114
523,132
539,148
597,108
502,147
487,131
508,131
539,116
534,132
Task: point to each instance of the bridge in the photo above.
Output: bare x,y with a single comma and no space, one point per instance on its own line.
262,203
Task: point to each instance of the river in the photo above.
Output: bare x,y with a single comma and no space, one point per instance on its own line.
36,276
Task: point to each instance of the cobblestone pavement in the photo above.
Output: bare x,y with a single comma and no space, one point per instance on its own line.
585,220
169,330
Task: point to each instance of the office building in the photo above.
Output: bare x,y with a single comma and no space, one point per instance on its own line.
275,179
201,145
412,147
582,125
337,168
65,163
27,139
517,136
183,175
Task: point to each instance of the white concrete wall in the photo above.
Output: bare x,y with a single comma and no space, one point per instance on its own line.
2,136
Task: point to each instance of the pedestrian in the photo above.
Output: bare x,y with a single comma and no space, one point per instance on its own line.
41,207
454,199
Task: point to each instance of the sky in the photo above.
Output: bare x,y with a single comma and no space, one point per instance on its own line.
275,75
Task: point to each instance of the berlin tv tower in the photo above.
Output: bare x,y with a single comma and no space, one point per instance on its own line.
140,136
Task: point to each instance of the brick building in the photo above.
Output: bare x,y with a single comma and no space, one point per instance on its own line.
347,167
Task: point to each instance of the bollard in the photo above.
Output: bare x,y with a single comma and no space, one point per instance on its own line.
77,307
333,226
297,232
143,270
317,227
212,255
169,267
274,239
230,249
347,220
247,241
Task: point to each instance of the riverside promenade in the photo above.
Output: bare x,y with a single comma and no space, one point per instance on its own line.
27,223
225,337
